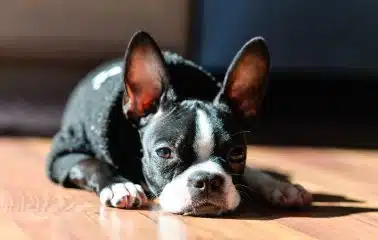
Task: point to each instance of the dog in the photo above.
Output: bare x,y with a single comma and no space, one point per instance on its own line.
155,125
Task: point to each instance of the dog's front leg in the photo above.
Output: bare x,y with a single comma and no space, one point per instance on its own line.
277,192
113,189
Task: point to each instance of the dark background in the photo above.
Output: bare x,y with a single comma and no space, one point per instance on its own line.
323,88
324,59
301,34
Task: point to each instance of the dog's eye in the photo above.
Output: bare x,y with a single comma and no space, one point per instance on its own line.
237,154
164,152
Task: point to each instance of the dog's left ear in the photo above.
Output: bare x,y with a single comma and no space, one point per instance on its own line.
245,81
145,76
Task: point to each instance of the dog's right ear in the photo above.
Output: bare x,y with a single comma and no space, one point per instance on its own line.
145,76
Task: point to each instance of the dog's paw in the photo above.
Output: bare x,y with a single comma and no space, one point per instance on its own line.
123,195
289,195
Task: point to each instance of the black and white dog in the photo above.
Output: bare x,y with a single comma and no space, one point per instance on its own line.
155,123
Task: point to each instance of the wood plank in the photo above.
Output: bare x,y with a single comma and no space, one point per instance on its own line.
344,183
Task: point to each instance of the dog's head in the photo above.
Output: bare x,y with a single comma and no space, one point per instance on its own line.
193,149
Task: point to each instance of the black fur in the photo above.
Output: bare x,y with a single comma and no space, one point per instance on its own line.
94,126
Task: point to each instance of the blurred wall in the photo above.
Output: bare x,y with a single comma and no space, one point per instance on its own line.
46,46
87,28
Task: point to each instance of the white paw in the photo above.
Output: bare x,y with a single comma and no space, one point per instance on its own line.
123,195
289,195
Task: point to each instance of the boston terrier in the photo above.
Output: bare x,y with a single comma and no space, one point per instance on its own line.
154,125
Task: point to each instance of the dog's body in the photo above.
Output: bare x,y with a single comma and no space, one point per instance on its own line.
159,121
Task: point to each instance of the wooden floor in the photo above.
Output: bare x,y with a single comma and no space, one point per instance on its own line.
345,183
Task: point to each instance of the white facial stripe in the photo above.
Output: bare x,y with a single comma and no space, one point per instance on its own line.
208,166
204,139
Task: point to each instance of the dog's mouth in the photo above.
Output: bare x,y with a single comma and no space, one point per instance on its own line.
203,209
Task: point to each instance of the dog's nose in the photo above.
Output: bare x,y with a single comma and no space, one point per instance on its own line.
202,181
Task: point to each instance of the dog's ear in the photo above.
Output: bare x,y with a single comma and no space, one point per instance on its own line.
245,81
145,76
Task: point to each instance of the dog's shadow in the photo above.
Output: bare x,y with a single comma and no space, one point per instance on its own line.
325,206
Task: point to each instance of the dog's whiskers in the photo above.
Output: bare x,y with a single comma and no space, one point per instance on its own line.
246,195
245,186
244,131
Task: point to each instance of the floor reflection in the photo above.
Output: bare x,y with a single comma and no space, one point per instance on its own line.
123,224
115,227
171,227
